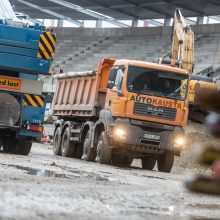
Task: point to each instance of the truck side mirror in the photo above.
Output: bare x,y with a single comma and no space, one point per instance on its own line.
110,85
112,75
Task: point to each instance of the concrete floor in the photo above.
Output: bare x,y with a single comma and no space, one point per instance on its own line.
42,186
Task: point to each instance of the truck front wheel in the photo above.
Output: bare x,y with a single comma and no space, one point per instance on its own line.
67,148
57,142
103,150
165,161
148,162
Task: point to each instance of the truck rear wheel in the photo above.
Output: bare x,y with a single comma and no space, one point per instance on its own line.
89,153
103,150
148,163
67,148
23,147
57,142
165,161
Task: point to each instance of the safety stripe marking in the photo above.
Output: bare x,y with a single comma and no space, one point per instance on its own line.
39,55
33,100
40,101
47,46
51,39
44,51
49,42
24,102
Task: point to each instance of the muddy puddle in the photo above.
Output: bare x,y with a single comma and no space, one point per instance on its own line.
75,174
41,172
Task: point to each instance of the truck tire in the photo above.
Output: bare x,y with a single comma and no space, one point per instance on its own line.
103,150
148,163
89,153
165,161
13,146
122,161
23,147
67,148
57,142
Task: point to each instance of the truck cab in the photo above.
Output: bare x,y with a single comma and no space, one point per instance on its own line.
147,91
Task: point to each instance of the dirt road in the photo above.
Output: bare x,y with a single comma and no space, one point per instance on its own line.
42,186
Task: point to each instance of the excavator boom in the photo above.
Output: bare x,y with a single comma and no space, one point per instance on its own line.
182,42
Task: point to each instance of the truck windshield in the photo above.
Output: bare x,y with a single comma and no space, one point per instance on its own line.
157,83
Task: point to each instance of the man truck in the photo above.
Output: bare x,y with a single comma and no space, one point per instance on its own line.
127,109
25,52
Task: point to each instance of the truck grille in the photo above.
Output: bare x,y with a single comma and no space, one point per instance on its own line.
154,111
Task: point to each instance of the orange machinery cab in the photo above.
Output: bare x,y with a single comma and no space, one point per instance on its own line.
142,106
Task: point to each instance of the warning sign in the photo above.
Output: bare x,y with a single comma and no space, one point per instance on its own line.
10,83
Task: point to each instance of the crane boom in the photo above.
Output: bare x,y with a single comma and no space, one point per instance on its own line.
6,11
182,42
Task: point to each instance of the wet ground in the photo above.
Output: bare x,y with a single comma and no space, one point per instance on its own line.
42,186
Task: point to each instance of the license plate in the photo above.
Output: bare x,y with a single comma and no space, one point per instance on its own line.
152,136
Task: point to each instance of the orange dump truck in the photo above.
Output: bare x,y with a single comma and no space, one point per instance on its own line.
127,109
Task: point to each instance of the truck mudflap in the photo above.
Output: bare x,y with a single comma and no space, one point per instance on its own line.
146,139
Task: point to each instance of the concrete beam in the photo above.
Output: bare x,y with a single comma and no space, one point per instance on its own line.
134,23
78,23
60,23
99,24
167,22
89,12
200,20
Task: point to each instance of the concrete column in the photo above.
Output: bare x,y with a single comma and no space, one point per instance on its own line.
134,23
60,23
207,20
167,22
99,24
200,20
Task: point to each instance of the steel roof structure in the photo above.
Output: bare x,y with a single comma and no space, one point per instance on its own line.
114,10
123,9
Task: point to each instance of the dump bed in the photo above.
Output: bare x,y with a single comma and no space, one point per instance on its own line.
76,94
82,94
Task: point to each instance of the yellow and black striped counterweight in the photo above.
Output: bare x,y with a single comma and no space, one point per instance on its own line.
33,100
47,45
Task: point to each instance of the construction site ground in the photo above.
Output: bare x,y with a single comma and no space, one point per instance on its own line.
44,186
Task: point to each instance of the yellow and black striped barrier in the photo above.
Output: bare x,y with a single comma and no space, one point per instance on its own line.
47,45
33,100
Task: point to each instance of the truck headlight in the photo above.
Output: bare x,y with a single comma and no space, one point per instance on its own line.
120,133
179,141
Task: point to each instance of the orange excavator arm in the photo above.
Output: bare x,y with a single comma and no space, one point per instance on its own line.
182,42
